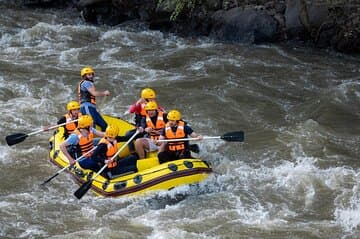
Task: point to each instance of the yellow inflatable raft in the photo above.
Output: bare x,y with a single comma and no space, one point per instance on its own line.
151,175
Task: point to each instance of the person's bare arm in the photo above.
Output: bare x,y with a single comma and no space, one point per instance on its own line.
66,153
96,93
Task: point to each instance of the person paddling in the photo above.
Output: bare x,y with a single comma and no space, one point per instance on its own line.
80,142
153,122
106,149
73,113
87,96
175,128
138,108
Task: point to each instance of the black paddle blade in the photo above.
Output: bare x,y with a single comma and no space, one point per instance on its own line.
237,136
49,179
194,148
15,138
83,189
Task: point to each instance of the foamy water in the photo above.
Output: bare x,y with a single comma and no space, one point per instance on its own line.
295,176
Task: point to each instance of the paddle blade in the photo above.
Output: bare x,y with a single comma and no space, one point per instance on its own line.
194,148
237,136
49,179
15,138
83,189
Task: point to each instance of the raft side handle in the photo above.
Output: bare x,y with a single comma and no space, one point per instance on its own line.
120,185
173,167
137,179
188,164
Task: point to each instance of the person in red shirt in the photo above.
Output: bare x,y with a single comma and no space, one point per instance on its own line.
138,108
153,122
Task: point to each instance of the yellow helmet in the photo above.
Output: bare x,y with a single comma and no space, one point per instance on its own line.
111,131
148,93
86,70
174,115
85,121
151,105
73,105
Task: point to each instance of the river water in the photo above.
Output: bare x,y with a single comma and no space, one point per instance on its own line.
295,176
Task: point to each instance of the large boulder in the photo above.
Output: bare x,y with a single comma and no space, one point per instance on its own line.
243,25
347,36
303,20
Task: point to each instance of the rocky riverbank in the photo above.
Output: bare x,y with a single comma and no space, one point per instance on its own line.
324,23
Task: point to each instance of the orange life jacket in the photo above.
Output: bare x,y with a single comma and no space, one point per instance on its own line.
84,95
111,150
179,134
85,143
143,111
160,123
70,127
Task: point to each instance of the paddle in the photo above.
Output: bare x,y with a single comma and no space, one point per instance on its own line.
19,137
236,136
87,185
63,169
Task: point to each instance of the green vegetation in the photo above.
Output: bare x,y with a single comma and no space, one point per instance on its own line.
182,6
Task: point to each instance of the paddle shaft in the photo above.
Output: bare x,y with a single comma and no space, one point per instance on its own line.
117,153
52,127
69,165
19,137
87,185
188,139
235,136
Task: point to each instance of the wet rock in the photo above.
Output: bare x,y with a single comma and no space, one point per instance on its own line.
324,23
238,25
347,38
303,20
101,12
85,3
48,3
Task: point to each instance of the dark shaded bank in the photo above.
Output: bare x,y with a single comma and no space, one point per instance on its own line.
324,23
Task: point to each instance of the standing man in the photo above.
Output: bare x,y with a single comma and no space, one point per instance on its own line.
87,93
175,128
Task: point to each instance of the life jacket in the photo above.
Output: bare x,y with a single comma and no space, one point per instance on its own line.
160,123
85,143
111,150
143,111
70,127
179,134
84,95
